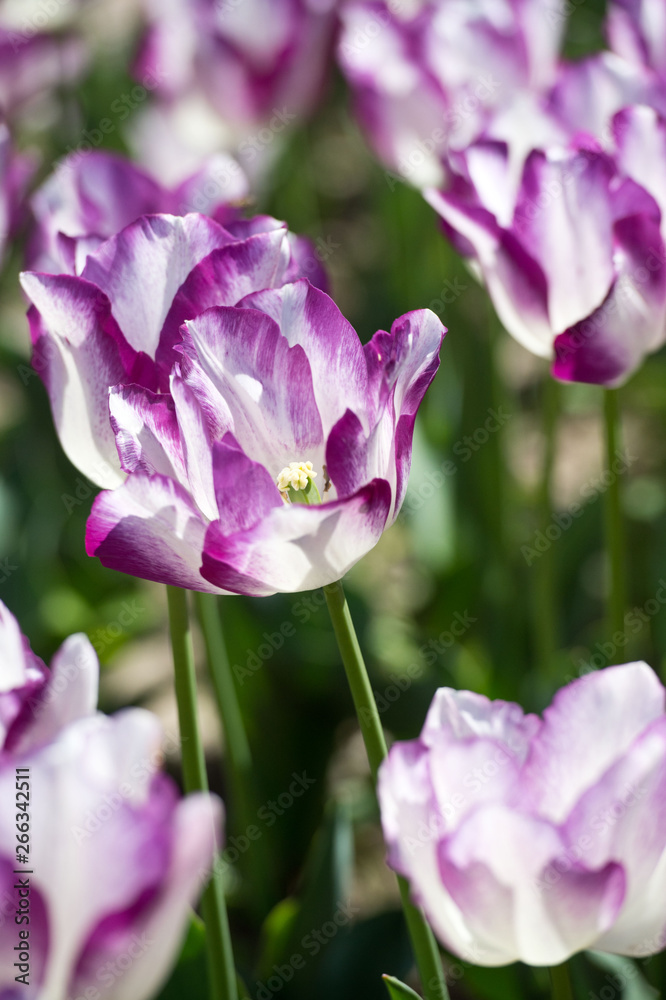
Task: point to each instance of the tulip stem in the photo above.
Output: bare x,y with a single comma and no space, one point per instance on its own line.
236,743
561,982
426,952
545,601
221,967
614,525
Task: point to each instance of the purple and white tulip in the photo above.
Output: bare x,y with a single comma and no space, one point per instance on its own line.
210,52
117,320
269,395
532,839
427,77
551,184
116,859
92,196
636,30
562,214
32,64
37,703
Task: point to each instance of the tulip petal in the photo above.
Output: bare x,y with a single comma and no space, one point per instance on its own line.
492,867
79,352
147,432
225,276
588,726
149,527
624,816
296,547
142,267
69,694
308,317
264,384
516,282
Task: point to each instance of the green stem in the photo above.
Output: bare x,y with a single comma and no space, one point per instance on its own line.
560,982
237,745
614,524
545,619
221,967
425,947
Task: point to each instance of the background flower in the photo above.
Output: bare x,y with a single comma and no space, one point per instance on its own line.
101,814
531,840
209,57
92,196
104,816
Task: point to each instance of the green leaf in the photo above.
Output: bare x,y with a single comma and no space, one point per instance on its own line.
625,975
398,990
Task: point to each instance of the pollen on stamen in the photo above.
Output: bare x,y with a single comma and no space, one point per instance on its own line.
296,475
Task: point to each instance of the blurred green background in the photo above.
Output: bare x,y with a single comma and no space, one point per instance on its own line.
455,593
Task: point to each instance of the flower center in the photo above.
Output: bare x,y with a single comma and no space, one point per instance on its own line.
296,483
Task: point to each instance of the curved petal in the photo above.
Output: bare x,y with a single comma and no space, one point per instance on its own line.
376,442
69,694
263,384
244,490
465,715
93,195
79,352
566,217
609,345
149,527
225,276
141,269
147,432
636,30
296,547
153,939
590,724
412,830
516,282
308,317
623,818
492,866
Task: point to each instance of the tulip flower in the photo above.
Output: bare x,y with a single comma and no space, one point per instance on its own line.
92,196
118,321
568,232
209,55
114,860
36,703
528,838
33,63
636,30
280,453
427,77
550,184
